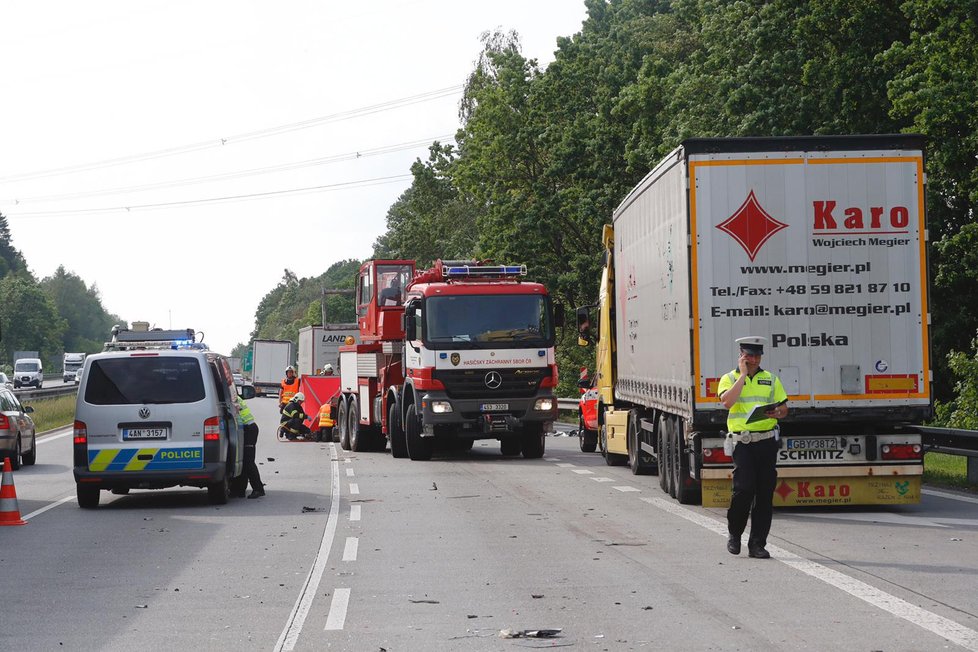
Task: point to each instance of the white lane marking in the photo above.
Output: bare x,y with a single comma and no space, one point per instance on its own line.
347,461
943,627
354,488
349,473
897,519
626,489
354,512
603,479
337,609
583,472
293,627
551,459
944,494
350,550
566,465
47,507
47,439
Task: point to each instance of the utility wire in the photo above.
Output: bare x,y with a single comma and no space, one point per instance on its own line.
239,138
336,158
362,183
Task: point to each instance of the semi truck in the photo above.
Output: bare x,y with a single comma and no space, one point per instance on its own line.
269,358
320,346
816,243
461,351
71,367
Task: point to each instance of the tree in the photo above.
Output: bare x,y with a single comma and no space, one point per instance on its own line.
11,260
30,320
87,322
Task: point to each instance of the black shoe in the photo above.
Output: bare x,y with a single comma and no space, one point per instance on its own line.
758,552
733,545
257,493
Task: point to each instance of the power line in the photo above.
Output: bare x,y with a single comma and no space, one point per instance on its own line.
362,183
284,167
239,138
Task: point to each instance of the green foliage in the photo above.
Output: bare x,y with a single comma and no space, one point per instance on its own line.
51,413
30,321
11,260
87,323
296,303
962,411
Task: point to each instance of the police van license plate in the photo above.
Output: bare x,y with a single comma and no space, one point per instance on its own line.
813,444
494,407
145,433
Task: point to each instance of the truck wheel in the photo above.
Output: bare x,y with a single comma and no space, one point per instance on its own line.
687,489
665,464
87,496
639,461
342,425
396,432
28,459
358,443
534,441
510,446
418,447
588,439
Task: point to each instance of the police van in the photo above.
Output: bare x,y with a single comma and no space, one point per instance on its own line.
156,409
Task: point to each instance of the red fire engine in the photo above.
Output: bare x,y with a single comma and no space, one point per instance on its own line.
458,352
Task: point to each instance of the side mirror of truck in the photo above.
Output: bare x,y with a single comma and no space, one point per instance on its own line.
410,322
559,315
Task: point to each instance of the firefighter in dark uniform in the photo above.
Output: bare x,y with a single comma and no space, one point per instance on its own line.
250,445
755,452
293,418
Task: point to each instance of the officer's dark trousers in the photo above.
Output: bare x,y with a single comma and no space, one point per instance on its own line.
754,479
250,468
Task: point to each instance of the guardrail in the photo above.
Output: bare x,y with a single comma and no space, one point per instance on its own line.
567,404
50,392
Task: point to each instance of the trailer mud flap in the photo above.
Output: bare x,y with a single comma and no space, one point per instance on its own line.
807,492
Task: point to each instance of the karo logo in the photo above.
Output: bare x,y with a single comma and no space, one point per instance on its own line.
751,225
784,490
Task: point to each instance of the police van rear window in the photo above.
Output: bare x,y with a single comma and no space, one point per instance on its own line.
135,381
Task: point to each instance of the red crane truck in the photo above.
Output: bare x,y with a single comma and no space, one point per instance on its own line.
458,352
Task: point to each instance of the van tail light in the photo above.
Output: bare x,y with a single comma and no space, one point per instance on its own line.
716,456
901,451
212,429
4,422
81,432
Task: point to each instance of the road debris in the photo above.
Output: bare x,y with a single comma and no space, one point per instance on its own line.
313,509
529,633
423,601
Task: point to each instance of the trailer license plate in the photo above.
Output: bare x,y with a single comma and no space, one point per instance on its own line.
813,444
494,407
145,433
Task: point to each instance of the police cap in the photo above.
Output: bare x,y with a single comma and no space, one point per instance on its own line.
752,344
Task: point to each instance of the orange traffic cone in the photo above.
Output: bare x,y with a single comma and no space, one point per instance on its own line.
9,511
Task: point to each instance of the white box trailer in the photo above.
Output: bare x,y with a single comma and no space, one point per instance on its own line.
320,345
817,244
269,359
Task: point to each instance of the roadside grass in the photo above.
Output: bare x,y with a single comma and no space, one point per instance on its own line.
947,470
51,413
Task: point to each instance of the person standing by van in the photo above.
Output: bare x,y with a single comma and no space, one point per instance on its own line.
250,450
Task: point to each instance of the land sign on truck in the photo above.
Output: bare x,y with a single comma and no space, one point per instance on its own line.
818,244
320,346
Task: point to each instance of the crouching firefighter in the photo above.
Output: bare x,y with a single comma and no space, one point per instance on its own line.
293,418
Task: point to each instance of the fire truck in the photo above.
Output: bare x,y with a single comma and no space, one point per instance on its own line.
458,352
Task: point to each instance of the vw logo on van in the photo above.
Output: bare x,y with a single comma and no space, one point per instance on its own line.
493,380
144,413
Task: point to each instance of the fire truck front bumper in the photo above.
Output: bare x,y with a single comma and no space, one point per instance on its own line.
485,418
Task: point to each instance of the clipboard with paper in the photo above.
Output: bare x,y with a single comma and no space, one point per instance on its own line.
757,414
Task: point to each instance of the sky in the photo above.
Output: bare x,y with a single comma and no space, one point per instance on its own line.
180,155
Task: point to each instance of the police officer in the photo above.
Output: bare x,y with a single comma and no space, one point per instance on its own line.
756,445
289,387
250,444
293,417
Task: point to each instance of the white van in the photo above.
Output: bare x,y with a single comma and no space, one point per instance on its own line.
28,372
152,418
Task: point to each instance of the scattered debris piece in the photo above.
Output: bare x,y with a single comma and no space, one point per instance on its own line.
536,596
434,487
313,509
529,633
955,539
423,601
471,616
142,606
270,459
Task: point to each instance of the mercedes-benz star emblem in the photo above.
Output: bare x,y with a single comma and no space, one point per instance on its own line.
493,380
144,413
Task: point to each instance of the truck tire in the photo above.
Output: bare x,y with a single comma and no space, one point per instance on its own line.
672,452
510,446
533,441
640,462
588,439
342,425
419,448
395,431
660,449
687,490
87,496
359,441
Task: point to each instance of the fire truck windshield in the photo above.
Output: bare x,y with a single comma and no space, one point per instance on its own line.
488,321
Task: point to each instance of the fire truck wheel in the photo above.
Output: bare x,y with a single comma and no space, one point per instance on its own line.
533,442
341,424
418,447
359,441
510,446
396,431
588,439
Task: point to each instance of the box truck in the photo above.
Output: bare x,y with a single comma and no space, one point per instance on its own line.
269,358
320,345
817,244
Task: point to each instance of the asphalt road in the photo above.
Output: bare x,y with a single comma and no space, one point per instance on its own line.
364,552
